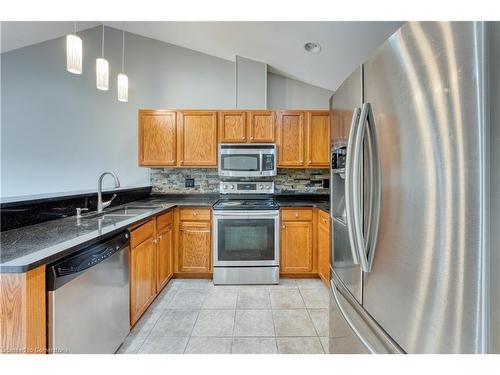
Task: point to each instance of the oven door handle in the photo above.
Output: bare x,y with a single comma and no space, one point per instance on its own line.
247,214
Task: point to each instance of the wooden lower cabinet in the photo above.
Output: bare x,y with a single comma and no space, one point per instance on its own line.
305,243
22,312
195,245
142,278
151,262
324,246
297,242
164,257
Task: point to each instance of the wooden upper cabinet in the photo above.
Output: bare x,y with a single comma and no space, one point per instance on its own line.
291,129
318,139
197,138
157,138
262,126
233,126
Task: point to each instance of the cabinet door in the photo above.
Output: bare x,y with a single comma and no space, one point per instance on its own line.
291,139
157,138
195,246
296,247
164,257
262,127
318,139
142,278
197,138
233,126
324,247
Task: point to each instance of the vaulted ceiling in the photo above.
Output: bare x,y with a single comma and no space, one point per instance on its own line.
344,45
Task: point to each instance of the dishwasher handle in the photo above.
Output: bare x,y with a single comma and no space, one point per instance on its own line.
66,269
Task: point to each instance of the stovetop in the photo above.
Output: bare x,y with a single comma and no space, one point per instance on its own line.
246,204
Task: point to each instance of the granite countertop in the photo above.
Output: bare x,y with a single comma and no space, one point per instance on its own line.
320,201
28,247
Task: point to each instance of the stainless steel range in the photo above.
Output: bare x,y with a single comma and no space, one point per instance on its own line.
246,234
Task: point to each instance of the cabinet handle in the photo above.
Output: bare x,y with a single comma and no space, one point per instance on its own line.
296,214
283,226
195,213
154,241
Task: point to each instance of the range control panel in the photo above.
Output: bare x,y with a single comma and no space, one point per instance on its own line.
246,187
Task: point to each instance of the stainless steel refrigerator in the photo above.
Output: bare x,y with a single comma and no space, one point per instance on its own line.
414,180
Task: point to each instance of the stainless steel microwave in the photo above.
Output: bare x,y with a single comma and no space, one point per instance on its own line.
247,160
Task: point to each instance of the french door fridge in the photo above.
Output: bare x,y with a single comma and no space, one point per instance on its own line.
410,207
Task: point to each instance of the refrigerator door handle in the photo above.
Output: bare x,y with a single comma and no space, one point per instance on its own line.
348,185
366,247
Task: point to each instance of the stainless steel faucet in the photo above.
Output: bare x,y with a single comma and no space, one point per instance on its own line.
100,204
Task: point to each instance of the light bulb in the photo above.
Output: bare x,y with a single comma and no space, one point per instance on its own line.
122,87
102,74
74,54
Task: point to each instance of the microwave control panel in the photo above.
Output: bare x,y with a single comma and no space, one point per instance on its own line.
267,162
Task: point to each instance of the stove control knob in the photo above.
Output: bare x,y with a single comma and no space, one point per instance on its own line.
261,187
225,186
232,186
268,187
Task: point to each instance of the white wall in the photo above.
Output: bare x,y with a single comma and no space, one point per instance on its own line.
284,93
58,132
251,82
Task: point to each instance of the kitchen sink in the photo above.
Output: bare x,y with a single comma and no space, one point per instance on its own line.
124,212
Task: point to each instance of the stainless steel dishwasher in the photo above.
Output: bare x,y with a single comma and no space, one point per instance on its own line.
88,298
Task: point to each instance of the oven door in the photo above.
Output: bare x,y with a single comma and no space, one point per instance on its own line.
246,238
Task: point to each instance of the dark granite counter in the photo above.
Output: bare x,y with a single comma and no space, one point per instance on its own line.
28,247
304,200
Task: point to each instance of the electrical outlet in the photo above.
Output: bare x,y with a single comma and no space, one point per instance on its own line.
189,182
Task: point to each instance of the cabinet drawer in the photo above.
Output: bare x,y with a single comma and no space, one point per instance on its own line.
164,220
142,233
196,214
300,214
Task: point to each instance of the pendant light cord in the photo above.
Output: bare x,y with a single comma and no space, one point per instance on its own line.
123,50
74,28
102,44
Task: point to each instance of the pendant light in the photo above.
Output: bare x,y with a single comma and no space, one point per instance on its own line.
122,78
102,68
74,52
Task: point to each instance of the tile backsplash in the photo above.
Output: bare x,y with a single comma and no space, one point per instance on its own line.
206,180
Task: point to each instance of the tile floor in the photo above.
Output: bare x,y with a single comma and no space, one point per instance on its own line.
194,316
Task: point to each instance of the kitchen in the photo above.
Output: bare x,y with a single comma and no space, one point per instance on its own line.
164,195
